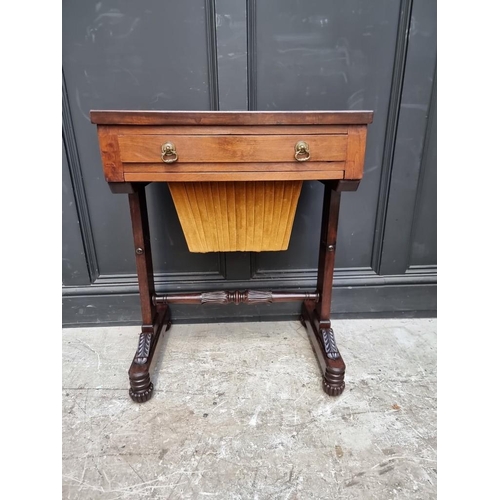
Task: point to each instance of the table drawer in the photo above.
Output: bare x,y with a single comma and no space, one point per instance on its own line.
218,152
232,149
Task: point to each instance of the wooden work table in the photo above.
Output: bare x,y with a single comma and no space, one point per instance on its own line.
235,178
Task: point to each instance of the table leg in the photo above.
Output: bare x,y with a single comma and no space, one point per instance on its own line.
316,316
155,320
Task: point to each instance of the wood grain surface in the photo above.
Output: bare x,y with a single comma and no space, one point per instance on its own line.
221,149
123,117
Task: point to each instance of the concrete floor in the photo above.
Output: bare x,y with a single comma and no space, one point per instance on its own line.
238,413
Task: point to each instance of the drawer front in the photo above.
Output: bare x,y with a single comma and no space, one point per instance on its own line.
133,153
232,149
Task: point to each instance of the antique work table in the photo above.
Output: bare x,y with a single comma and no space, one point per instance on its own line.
235,178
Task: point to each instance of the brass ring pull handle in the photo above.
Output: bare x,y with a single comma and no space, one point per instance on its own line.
168,152
302,151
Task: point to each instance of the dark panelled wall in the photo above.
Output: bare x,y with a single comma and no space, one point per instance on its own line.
258,55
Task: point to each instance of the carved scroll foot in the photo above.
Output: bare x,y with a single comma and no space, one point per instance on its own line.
323,342
141,387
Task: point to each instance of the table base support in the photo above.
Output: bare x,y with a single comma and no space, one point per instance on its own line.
323,342
141,387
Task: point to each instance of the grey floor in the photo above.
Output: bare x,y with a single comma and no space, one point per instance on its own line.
238,413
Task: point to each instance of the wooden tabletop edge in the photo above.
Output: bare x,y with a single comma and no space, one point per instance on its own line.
156,117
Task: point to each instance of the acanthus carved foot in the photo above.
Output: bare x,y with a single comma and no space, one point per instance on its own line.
329,343
323,342
141,388
142,353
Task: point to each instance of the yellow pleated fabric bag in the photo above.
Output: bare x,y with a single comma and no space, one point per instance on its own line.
236,216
